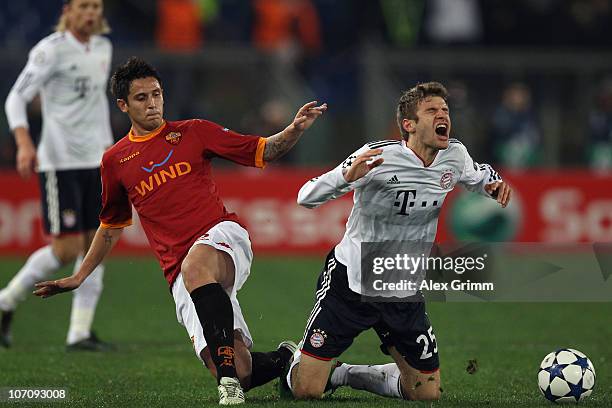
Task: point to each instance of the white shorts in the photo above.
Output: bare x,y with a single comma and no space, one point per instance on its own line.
229,237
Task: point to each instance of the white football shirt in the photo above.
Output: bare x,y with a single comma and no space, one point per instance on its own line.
71,78
400,200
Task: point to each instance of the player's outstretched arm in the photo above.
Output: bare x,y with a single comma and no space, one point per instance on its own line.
360,167
340,180
279,144
104,240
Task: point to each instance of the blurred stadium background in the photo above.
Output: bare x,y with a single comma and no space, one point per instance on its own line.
531,93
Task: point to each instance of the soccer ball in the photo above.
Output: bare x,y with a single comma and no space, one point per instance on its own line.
566,375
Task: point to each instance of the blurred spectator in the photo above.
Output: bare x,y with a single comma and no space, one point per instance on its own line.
515,132
273,115
592,19
270,118
466,123
134,22
403,20
180,23
453,22
516,22
600,129
286,27
23,22
584,23
229,21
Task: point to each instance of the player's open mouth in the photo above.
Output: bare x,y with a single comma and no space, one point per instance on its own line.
442,130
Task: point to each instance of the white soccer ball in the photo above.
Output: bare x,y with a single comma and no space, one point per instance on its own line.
566,375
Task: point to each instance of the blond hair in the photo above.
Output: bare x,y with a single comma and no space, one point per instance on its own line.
62,24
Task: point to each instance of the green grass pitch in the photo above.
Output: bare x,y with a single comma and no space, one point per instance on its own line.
155,364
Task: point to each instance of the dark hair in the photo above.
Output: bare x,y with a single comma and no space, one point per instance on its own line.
134,68
409,101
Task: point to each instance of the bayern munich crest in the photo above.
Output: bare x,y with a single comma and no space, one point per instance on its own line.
446,181
317,339
173,138
69,218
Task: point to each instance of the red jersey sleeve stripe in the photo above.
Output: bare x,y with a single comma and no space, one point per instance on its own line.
114,226
259,153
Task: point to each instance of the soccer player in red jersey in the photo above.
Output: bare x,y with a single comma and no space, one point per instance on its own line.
163,170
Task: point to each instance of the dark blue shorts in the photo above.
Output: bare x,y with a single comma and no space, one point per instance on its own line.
339,315
71,200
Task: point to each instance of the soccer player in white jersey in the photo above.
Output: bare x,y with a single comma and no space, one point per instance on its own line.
69,69
399,189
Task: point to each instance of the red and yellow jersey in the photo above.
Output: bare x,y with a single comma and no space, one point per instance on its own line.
166,176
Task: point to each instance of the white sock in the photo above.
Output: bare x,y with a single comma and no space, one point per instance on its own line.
84,302
379,379
39,266
297,356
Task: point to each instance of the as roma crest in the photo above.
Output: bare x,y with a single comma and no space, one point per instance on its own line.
174,138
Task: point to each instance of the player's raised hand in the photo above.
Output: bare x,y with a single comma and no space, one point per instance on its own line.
307,114
360,167
501,191
50,288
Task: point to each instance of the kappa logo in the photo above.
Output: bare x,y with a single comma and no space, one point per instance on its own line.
154,165
393,180
130,157
174,138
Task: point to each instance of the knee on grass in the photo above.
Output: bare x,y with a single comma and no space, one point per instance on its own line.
302,389
306,392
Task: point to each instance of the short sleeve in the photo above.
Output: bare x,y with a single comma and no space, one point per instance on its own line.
246,150
116,208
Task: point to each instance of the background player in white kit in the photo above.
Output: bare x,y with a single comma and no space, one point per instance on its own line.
69,69
399,189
